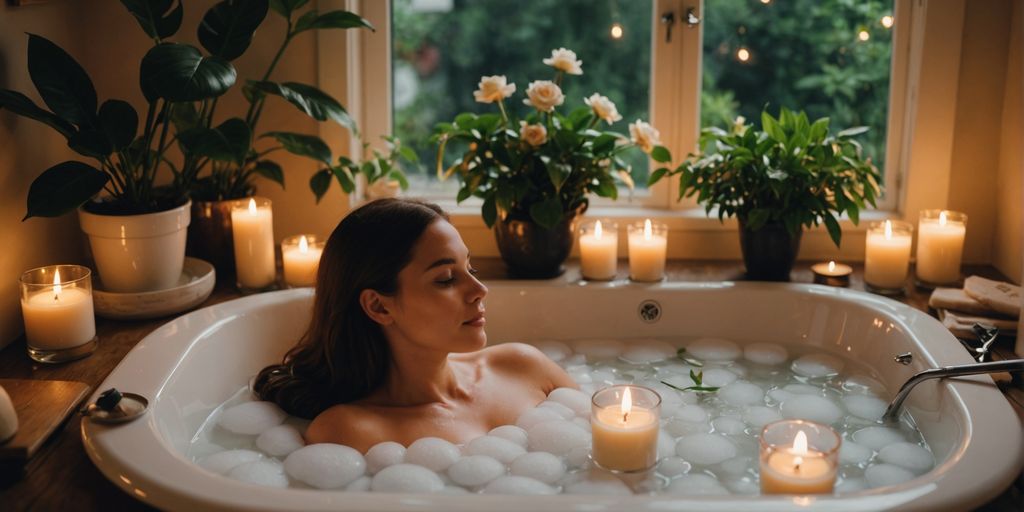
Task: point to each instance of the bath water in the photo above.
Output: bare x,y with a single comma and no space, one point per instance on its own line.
708,442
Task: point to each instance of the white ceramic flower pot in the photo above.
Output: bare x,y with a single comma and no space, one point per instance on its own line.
138,253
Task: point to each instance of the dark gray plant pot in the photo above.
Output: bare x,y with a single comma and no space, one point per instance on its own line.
769,252
531,251
210,237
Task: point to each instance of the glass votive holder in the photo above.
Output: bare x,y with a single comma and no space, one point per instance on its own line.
887,256
624,420
798,457
647,248
301,258
56,304
599,249
252,227
940,247
832,274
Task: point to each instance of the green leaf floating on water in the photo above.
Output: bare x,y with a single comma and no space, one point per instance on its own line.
698,380
681,354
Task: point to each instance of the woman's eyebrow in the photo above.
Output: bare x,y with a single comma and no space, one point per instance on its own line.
442,261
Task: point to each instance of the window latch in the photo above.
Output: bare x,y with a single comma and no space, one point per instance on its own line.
668,19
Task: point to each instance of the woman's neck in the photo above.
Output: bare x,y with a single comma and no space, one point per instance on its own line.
420,376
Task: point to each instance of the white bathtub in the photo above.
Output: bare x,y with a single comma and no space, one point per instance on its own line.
190,365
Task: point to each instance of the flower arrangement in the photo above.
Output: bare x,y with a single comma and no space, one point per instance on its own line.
543,166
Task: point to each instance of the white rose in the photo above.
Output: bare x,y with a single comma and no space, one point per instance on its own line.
565,60
644,135
544,95
493,88
533,134
603,108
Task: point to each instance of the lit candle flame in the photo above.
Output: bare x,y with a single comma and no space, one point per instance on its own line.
303,245
252,206
597,230
888,230
942,218
648,231
627,404
831,266
56,285
799,449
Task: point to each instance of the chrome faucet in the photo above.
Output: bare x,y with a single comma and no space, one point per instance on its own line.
1011,365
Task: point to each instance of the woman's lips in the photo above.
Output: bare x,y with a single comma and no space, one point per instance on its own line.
476,321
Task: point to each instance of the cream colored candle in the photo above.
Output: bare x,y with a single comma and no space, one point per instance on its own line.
798,470
301,255
647,247
58,316
887,255
252,224
940,246
599,245
625,435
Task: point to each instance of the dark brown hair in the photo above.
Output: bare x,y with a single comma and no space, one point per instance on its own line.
344,356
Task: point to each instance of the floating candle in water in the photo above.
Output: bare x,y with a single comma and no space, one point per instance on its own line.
798,468
599,244
625,434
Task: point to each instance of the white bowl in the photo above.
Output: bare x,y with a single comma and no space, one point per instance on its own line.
193,287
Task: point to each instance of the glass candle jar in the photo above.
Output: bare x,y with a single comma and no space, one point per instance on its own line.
56,304
887,256
940,247
647,248
301,258
599,249
252,228
798,457
624,421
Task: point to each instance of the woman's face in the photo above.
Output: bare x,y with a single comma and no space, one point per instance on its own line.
439,303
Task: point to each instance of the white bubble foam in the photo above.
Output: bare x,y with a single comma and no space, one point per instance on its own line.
555,350
736,466
406,478
557,437
882,475
518,485
225,461
497,447
801,389
877,438
864,406
692,413
361,484
432,453
666,444
744,486
574,399
579,457
854,453
251,418
536,416
647,351
475,470
325,465
713,349
268,473
908,456
279,441
718,377
758,416
540,466
768,354
849,485
697,484
563,411
705,449
583,423
672,466
511,432
727,425
818,365
684,428
382,455
813,408
598,349
741,392
600,483
863,384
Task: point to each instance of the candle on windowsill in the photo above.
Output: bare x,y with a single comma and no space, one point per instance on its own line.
832,273
625,422
798,457
647,249
301,255
887,256
252,226
599,250
940,247
56,304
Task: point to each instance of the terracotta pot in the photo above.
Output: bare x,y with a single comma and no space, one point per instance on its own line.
531,251
210,236
769,252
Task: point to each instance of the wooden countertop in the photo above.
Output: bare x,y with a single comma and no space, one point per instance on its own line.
61,476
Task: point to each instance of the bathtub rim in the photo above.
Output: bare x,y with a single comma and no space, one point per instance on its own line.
139,478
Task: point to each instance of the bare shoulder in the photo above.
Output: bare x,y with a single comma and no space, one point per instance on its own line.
521,358
347,424
514,354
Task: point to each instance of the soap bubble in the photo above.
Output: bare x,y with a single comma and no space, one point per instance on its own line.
849,485
745,486
599,349
705,449
877,438
718,377
853,453
696,484
325,466
251,418
267,473
476,470
882,475
540,466
382,455
557,437
496,447
736,466
519,485
758,416
583,423
647,351
768,354
511,432
672,466
666,444
536,416
223,462
555,350
741,392
598,482
908,456
801,389
813,408
432,453
361,484
692,413
867,407
406,478
685,428
563,411
727,425
573,399
818,365
279,441
713,349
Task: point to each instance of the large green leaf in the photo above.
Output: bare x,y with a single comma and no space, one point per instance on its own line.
286,7
119,122
834,231
62,83
229,142
304,145
21,105
345,178
333,19
270,170
178,72
319,183
548,212
62,188
314,102
227,28
156,17
489,211
558,173
91,142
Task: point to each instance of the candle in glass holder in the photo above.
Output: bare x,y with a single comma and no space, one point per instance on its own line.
624,421
940,246
301,255
832,273
599,245
647,245
798,457
887,256
56,304
252,226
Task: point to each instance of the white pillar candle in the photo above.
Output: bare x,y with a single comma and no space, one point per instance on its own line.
252,225
647,247
625,434
887,255
599,246
798,457
58,311
940,246
301,255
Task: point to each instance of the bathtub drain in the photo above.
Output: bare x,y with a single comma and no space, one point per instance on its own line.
649,311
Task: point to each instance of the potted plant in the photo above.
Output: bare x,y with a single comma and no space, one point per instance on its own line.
382,174
788,175
534,174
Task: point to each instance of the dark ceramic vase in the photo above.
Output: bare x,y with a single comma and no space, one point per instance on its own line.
531,251
210,236
769,252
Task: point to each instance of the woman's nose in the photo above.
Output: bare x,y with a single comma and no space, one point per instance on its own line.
478,291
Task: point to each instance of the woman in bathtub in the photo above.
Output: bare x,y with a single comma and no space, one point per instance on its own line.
396,350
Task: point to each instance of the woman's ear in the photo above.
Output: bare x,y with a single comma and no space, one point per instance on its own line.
376,306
